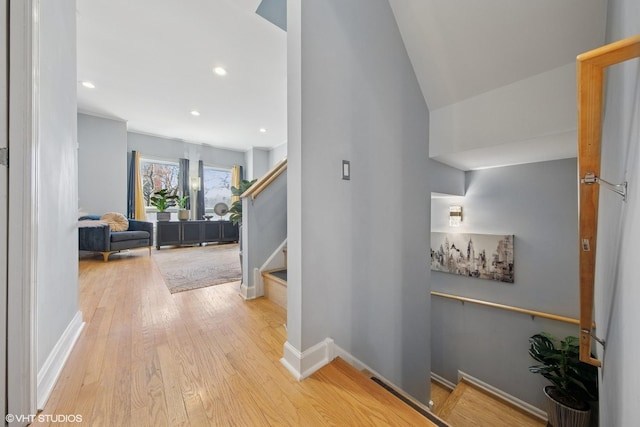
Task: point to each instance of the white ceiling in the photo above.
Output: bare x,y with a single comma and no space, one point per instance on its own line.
152,61
465,49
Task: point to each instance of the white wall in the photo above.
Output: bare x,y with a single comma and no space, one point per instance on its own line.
357,248
257,161
537,203
445,179
57,251
4,142
617,291
501,116
102,165
277,154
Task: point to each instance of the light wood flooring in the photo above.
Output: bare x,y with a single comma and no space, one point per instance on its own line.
198,358
468,406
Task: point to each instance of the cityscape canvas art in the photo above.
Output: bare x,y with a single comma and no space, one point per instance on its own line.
484,256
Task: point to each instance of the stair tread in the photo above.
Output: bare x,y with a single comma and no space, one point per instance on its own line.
279,277
280,274
468,405
369,400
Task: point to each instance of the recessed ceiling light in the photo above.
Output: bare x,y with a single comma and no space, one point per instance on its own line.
220,71
88,85
263,130
195,113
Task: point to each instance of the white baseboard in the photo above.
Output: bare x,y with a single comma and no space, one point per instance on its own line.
536,412
52,368
255,291
258,283
303,364
445,382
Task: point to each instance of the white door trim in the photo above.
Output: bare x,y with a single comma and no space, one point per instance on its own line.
4,177
22,236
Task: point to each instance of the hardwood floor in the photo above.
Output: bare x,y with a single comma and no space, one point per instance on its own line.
199,358
469,406
439,395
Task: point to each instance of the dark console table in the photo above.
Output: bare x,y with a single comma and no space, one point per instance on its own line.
194,232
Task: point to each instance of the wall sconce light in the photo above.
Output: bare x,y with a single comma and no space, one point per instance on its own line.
195,183
455,216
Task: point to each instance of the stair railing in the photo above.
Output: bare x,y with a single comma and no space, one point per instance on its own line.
591,67
261,184
532,313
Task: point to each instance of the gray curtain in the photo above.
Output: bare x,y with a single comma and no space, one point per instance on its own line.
200,201
183,180
131,192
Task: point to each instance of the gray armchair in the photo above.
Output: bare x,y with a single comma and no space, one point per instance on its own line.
100,238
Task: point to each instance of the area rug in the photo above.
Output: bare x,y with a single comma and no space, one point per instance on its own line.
189,268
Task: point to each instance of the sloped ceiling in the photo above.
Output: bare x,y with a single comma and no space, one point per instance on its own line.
466,49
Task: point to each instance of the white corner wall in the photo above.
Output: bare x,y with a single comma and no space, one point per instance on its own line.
58,320
617,292
257,161
357,270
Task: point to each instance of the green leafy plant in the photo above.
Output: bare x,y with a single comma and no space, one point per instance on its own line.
182,201
236,207
163,200
576,382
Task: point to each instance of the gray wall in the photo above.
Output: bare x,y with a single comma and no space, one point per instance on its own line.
537,203
617,291
57,246
357,248
103,150
102,165
264,226
174,149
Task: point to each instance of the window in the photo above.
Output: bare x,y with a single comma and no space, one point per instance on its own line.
157,174
217,187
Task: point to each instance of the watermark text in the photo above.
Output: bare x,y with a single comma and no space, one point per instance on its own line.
43,418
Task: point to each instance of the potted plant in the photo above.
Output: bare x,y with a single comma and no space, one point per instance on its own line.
163,200
575,383
236,207
183,212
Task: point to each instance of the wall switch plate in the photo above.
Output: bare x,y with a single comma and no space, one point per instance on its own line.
346,170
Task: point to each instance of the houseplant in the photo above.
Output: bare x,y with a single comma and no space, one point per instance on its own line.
575,383
183,212
163,200
236,207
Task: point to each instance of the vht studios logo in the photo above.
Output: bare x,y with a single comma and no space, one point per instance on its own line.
43,418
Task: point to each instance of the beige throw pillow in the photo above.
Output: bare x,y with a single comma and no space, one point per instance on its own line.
116,221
